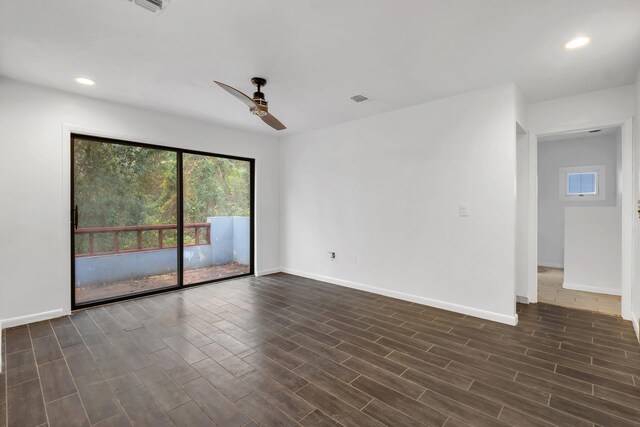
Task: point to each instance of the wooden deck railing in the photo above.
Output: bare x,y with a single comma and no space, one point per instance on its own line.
138,229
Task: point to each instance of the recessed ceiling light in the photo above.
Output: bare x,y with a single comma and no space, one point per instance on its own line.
85,81
577,42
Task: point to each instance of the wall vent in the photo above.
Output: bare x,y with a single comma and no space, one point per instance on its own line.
152,5
359,98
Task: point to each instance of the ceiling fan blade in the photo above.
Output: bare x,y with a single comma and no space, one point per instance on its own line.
239,95
273,122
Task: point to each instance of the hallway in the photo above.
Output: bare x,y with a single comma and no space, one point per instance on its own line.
550,291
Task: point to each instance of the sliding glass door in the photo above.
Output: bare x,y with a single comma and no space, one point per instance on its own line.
147,219
217,217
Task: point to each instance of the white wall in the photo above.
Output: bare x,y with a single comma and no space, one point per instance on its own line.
593,249
33,213
383,193
553,155
608,105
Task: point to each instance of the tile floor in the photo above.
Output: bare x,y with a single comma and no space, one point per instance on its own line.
550,291
282,350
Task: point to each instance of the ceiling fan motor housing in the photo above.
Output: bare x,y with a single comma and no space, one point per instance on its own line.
258,97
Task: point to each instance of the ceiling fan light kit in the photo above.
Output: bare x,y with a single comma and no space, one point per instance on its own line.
258,105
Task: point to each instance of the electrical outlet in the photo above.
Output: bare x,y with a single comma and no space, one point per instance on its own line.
332,256
354,259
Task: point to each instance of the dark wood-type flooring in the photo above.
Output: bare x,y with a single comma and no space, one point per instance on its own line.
282,350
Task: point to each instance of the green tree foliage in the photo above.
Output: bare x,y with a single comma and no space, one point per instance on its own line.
215,186
120,185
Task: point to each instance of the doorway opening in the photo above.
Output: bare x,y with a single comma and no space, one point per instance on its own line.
147,219
580,219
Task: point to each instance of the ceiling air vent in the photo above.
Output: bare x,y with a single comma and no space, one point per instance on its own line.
360,98
152,5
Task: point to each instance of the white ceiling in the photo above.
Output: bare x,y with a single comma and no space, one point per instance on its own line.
317,53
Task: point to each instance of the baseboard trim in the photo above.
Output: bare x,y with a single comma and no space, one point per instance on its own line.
550,265
471,311
23,320
636,324
522,300
592,289
268,271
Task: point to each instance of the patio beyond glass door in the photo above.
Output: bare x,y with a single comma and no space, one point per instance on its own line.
146,219
217,217
125,216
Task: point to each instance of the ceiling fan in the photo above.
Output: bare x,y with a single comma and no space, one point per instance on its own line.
257,105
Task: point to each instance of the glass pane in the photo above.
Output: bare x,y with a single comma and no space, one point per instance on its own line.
126,235
217,223
588,183
575,183
582,183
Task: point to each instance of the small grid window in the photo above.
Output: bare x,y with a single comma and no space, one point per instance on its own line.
581,184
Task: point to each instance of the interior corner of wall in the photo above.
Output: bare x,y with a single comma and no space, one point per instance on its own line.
521,110
636,324
1,353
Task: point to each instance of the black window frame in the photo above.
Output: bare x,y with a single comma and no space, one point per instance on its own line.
180,220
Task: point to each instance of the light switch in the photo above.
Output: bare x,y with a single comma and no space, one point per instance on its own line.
463,209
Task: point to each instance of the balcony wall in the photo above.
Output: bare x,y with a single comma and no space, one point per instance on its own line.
229,243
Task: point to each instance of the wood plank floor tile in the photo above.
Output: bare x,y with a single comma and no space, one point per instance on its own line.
517,388
98,399
319,348
337,409
56,381
25,406
388,415
589,414
17,339
284,376
220,409
163,389
610,407
179,370
264,413
319,419
526,406
337,370
415,410
516,418
404,386
46,349
67,412
286,350
40,329
287,402
228,384
183,348
142,409
190,415
68,336
329,383
458,411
